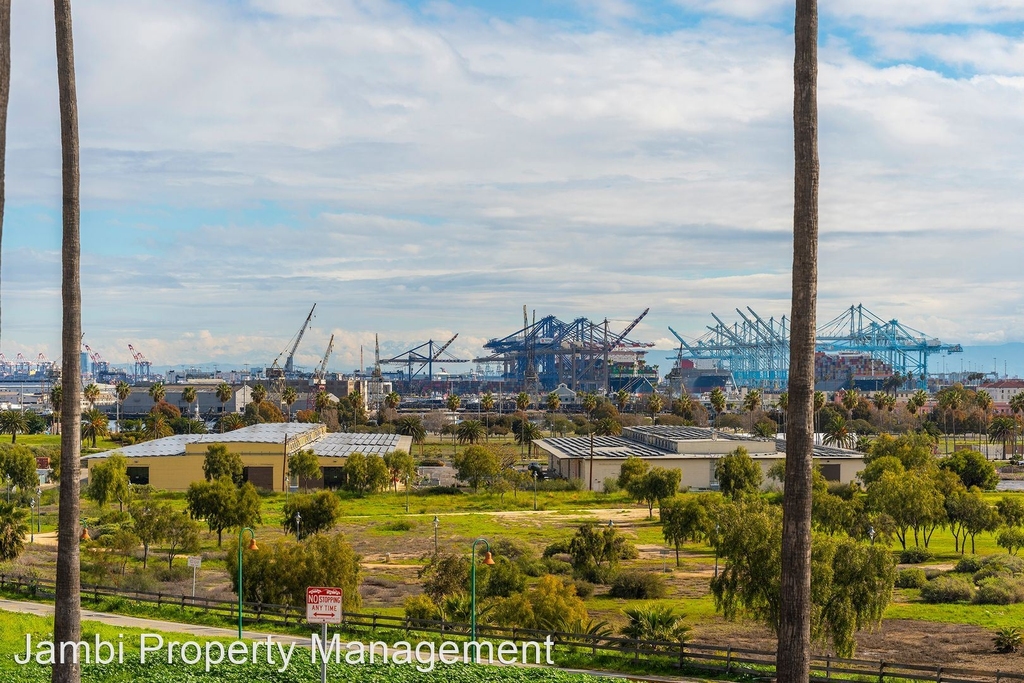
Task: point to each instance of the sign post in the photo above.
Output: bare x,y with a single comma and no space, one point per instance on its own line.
324,606
194,561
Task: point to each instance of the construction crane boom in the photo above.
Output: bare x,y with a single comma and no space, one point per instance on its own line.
290,360
446,345
322,370
629,328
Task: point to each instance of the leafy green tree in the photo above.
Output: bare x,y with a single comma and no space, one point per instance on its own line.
632,468
912,500
13,422
973,468
595,551
470,431
968,513
913,450
18,467
121,544
554,602
505,578
220,462
1011,510
879,466
1011,538
475,465
108,481
181,535
378,477
737,474
684,518
400,465
851,582
223,505
445,575
304,466
317,512
320,560
12,531
659,483
148,520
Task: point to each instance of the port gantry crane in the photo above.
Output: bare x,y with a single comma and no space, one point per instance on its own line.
142,366
423,357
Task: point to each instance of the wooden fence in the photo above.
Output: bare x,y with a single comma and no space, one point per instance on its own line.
718,659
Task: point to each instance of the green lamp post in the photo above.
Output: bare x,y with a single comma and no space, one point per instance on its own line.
252,546
472,583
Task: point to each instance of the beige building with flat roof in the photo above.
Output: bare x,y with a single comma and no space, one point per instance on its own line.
175,462
694,451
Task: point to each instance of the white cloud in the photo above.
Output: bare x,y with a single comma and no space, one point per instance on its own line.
434,176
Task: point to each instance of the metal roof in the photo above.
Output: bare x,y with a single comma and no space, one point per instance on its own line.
604,446
823,451
340,444
266,432
171,445
684,433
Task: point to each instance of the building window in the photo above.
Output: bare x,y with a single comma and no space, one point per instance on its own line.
334,477
831,472
138,476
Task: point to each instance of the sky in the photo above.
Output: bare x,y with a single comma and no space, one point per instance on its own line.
420,168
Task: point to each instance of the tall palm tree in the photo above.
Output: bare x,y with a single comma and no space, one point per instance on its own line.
983,400
622,399
13,422
289,396
157,427
410,425
322,401
1002,429
837,433
717,398
452,402
1016,407
589,404
5,92
91,394
67,618
56,398
94,425
783,408
157,392
224,393
469,431
258,395
189,396
554,402
654,405
392,400
793,661
752,403
487,405
122,391
820,399
522,401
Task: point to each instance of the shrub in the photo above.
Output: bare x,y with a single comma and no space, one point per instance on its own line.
651,622
611,485
911,578
560,485
638,585
442,491
1008,639
420,607
946,589
397,525
999,590
555,566
138,581
999,565
584,589
915,555
968,565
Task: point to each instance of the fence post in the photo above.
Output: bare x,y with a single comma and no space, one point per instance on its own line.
938,675
828,667
682,653
881,671
373,628
636,651
728,660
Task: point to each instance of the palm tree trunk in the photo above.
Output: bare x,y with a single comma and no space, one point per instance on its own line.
793,660
67,621
5,93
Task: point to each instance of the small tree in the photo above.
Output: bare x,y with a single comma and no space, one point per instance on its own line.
108,481
12,531
400,466
1011,538
304,466
149,520
181,535
316,512
738,474
121,544
973,468
219,462
684,519
223,505
18,466
1011,510
595,551
656,485
632,468
446,575
475,465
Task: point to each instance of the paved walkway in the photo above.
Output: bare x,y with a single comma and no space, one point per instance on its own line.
42,609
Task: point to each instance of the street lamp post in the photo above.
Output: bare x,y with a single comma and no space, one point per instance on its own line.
407,493
31,526
252,546
39,502
534,490
437,523
472,584
298,525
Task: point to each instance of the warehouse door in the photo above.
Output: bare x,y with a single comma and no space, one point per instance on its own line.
260,477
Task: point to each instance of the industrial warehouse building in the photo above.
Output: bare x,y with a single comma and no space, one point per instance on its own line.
692,450
175,462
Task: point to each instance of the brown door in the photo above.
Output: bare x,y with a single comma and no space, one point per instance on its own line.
260,477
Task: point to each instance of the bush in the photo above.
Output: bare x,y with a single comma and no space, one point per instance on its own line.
442,491
638,585
420,607
946,589
968,565
1008,639
557,548
555,566
138,581
911,578
915,555
584,589
560,485
397,525
611,485
999,591
999,565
